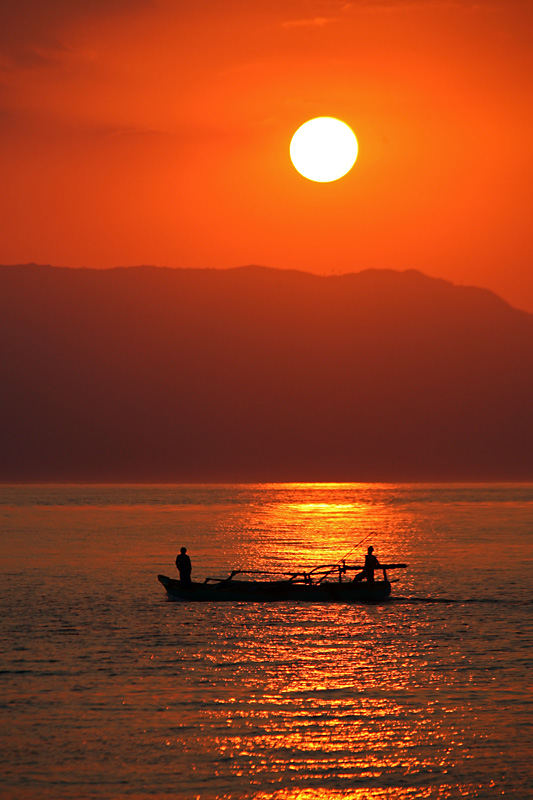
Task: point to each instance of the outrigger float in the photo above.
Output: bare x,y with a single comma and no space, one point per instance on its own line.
327,582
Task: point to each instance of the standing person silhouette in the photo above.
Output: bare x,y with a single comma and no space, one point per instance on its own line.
183,563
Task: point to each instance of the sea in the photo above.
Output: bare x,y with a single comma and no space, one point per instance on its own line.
109,690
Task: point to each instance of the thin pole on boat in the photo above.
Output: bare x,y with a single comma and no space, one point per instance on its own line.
356,546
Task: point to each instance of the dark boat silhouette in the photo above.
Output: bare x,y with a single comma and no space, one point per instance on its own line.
327,582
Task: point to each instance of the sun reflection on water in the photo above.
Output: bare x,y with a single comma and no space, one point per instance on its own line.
384,793
322,523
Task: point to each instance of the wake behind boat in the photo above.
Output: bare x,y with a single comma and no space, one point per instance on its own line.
327,582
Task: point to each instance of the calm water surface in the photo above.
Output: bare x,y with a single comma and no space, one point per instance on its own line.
111,691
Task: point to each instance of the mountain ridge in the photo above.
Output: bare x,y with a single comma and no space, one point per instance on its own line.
262,269
253,373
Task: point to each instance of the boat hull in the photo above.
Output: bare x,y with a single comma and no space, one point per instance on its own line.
272,591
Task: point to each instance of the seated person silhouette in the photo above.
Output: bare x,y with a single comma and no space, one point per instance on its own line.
371,564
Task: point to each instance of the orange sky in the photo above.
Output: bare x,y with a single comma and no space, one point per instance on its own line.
158,132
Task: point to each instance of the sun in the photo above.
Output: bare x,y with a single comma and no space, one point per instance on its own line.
324,149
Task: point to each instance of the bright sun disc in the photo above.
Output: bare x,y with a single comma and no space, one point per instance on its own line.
323,149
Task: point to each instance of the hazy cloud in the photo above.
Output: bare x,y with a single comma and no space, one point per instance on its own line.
314,22
330,11
32,32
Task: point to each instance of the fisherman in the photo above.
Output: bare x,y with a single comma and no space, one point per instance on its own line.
371,564
183,563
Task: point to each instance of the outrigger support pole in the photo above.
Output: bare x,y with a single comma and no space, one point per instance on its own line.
316,575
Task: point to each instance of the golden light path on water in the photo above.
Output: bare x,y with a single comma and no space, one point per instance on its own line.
312,532
130,695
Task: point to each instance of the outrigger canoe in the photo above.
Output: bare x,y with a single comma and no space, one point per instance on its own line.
327,582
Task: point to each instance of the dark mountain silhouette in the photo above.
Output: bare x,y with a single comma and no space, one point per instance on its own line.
146,373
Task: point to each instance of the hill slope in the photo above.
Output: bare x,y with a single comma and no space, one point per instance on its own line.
144,373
